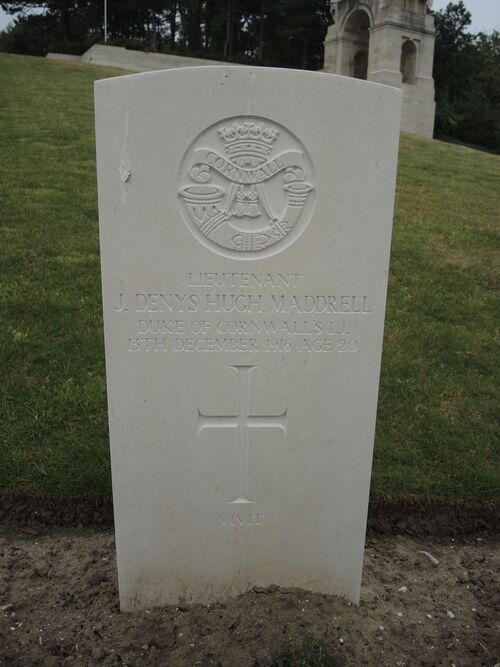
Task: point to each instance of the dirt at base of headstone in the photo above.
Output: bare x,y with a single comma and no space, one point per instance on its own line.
59,606
415,516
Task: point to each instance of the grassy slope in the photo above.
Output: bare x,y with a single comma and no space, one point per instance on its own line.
437,432
436,429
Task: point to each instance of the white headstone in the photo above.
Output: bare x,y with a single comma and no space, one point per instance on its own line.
245,219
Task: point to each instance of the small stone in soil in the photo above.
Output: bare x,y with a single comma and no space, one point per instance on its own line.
41,567
450,614
432,559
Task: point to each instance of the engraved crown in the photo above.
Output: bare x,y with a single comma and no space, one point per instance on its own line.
247,140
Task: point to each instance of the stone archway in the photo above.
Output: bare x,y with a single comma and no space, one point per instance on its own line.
356,44
408,61
389,42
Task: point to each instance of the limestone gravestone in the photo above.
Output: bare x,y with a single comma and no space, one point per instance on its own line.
245,220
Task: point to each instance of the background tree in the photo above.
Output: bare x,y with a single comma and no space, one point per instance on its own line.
283,33
467,78
288,33
63,25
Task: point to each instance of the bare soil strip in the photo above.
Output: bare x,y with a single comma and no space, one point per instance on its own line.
388,516
59,606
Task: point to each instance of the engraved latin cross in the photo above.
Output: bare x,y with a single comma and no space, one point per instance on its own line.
242,422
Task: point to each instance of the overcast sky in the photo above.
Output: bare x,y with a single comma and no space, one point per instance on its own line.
485,14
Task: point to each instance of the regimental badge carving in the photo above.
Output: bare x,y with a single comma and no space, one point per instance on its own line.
246,187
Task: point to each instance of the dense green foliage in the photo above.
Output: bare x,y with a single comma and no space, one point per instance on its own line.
437,432
286,33
467,77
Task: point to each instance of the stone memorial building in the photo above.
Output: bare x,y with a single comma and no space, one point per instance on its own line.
390,42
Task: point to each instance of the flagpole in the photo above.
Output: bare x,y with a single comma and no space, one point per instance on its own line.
105,21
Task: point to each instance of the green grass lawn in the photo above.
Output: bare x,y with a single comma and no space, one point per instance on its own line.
437,432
